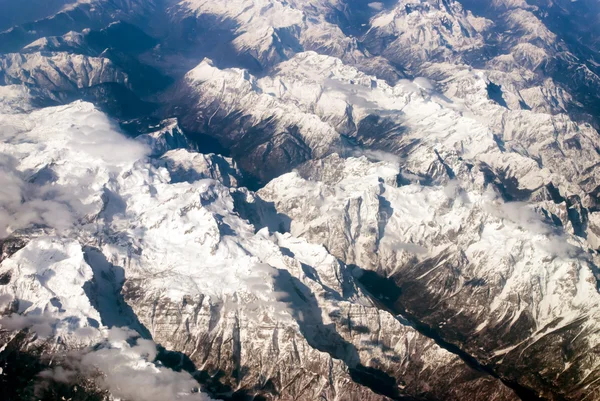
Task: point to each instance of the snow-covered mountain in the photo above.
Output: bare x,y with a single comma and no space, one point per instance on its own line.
278,200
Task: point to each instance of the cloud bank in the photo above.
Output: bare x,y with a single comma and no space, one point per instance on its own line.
124,365
53,164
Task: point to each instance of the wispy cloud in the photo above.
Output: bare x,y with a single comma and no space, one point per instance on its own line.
23,203
37,185
524,216
376,6
124,365
41,325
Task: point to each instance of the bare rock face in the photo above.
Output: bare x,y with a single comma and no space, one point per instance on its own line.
190,167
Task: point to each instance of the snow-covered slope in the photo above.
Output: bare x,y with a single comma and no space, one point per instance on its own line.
76,16
71,41
416,31
437,244
278,309
425,224
255,124
509,41
58,71
166,136
311,104
265,32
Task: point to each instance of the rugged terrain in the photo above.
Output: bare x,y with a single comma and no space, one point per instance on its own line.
294,200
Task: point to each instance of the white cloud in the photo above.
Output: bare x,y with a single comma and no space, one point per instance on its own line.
123,364
417,85
54,162
40,325
525,217
23,204
5,301
378,155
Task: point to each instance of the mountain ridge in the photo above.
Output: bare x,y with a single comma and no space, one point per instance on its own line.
405,206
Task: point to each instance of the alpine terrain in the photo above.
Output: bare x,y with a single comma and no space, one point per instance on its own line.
334,200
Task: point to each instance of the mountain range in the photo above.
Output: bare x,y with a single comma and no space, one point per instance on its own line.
289,200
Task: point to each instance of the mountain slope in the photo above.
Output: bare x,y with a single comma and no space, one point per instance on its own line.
220,286
277,200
